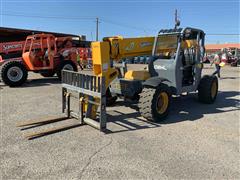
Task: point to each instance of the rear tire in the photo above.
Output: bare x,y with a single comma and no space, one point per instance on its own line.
14,73
68,65
154,103
208,89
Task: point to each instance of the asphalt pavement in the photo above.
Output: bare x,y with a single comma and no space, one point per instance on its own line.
196,141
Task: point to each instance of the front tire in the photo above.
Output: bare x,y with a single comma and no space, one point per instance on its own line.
14,73
208,89
67,65
111,100
154,103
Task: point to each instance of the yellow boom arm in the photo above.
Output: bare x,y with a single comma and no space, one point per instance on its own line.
116,48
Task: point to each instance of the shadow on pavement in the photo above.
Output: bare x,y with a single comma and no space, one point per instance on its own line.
189,109
184,108
1,86
36,82
229,78
123,120
41,82
55,131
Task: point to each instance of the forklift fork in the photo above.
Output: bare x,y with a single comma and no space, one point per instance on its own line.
89,90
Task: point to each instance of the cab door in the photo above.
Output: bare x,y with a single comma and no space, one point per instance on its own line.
32,53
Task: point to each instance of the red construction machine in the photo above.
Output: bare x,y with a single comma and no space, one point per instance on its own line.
44,54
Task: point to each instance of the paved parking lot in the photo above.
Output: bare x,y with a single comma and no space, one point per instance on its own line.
197,141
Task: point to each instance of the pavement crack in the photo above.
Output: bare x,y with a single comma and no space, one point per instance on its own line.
92,156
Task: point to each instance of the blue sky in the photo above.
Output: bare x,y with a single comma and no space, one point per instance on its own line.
129,18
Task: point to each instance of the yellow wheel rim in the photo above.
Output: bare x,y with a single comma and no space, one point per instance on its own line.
214,89
162,102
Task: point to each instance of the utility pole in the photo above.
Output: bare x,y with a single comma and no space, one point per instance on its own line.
177,22
175,18
97,21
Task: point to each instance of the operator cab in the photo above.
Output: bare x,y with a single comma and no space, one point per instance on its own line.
177,55
38,51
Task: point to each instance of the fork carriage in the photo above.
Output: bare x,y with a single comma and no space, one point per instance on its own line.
90,93
88,88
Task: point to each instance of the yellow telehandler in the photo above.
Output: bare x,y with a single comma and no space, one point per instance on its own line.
174,68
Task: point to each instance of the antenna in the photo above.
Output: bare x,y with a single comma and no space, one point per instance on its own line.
97,23
177,21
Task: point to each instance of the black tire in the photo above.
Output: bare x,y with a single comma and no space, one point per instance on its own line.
148,103
49,73
207,93
14,73
234,64
111,100
62,65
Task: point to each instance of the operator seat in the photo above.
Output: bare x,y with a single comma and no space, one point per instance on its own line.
187,69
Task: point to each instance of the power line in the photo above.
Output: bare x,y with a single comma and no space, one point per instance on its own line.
47,17
127,26
105,21
222,34
73,18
